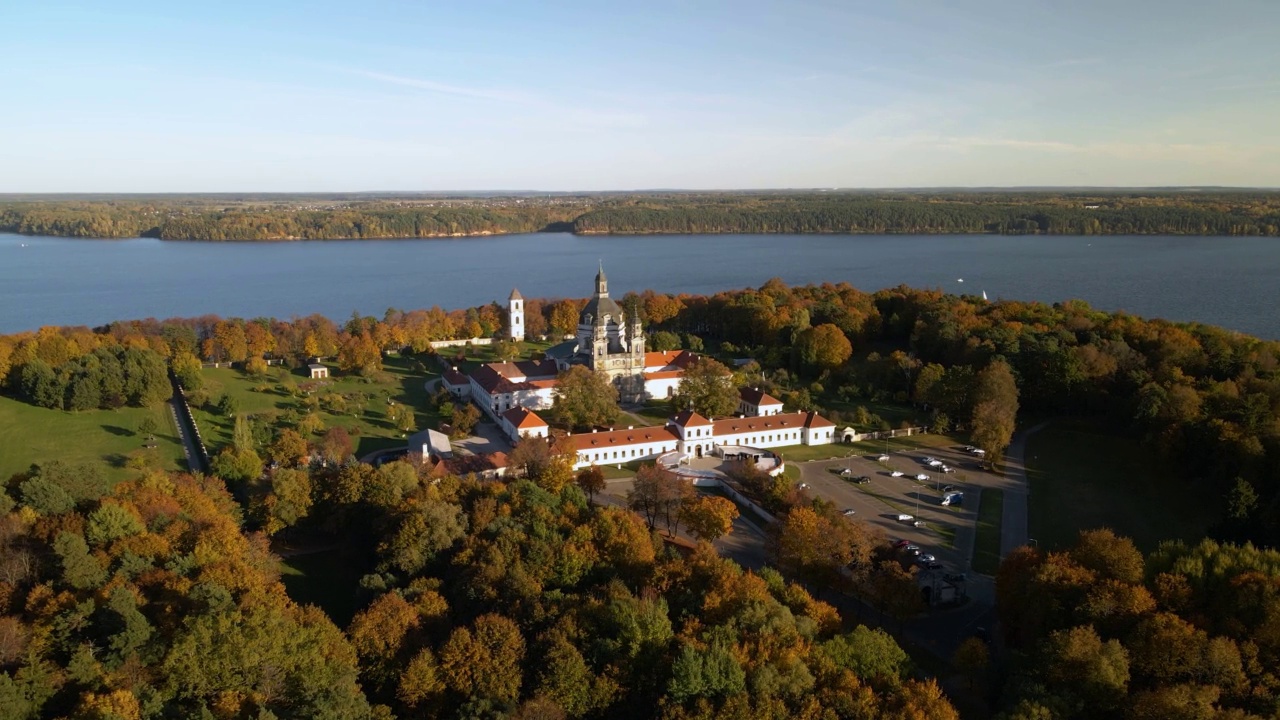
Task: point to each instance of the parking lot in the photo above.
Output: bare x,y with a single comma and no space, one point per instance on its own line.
947,531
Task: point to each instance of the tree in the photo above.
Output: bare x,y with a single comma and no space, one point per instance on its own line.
706,388
872,655
708,517
658,493
402,416
584,398
971,659
237,465
426,529
289,449
484,661
336,445
995,409
564,317
288,500
1077,663
591,480
463,420
824,347
147,426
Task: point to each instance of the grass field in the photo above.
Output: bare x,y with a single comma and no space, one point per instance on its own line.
34,434
403,380
1083,478
477,355
327,580
986,545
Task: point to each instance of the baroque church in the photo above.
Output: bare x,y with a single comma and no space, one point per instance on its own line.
606,342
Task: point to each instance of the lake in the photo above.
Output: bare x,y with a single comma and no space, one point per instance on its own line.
1232,282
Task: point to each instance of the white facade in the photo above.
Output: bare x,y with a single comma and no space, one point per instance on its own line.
515,315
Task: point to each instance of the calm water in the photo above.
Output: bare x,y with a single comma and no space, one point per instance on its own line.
57,281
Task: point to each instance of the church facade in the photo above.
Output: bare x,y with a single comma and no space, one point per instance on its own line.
607,341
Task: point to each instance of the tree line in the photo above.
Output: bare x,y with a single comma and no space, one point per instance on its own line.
1067,213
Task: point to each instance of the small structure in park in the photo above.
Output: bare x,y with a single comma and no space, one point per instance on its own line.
318,371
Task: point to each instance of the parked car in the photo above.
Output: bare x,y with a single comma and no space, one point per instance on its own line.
883,458
927,558
953,498
846,472
906,518
926,459
911,549
896,473
804,486
948,488
935,463
947,469
922,477
901,543
861,480
850,511
968,448
918,523
933,566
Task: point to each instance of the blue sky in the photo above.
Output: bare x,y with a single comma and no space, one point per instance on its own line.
317,96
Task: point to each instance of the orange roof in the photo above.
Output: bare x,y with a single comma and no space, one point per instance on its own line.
664,375
678,358
782,421
689,418
585,442
521,418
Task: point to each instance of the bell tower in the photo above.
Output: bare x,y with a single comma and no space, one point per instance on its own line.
515,315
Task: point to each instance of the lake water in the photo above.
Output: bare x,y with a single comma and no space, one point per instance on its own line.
1232,282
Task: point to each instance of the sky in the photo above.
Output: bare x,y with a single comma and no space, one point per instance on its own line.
430,95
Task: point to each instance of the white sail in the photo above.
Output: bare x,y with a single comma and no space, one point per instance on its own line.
984,294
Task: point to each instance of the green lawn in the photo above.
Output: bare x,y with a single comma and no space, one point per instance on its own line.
34,434
986,546
478,355
892,413
805,453
1083,478
328,580
402,380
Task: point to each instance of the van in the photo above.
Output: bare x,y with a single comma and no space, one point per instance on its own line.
953,498
905,518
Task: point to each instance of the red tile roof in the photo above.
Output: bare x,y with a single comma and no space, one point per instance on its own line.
781,421
522,418
664,375
586,442
455,378
689,418
677,358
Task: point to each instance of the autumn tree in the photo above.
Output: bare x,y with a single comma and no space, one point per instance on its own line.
824,347
584,398
484,661
708,517
658,494
995,409
706,388
591,480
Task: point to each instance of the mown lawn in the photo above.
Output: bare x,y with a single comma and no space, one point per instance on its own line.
366,401
986,545
477,355
1083,478
30,434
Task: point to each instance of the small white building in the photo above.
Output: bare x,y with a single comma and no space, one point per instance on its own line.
520,423
318,371
754,402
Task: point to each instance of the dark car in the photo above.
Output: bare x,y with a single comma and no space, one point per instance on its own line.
861,480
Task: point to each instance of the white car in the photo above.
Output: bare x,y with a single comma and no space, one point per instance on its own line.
922,477
947,469
804,486
883,458
850,511
926,558
935,463
896,473
928,460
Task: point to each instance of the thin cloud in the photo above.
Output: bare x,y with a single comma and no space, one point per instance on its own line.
445,88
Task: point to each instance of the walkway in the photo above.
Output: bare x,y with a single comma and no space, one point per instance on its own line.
1014,531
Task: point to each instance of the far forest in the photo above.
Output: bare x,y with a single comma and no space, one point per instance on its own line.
324,217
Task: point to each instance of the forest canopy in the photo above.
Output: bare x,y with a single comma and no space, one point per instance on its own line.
219,218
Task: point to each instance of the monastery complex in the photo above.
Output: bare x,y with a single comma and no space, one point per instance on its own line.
611,342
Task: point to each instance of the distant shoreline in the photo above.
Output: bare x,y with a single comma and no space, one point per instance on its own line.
283,219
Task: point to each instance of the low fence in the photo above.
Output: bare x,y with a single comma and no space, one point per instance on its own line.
437,344
187,424
851,435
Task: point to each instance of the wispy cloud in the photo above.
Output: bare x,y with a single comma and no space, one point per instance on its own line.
447,89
